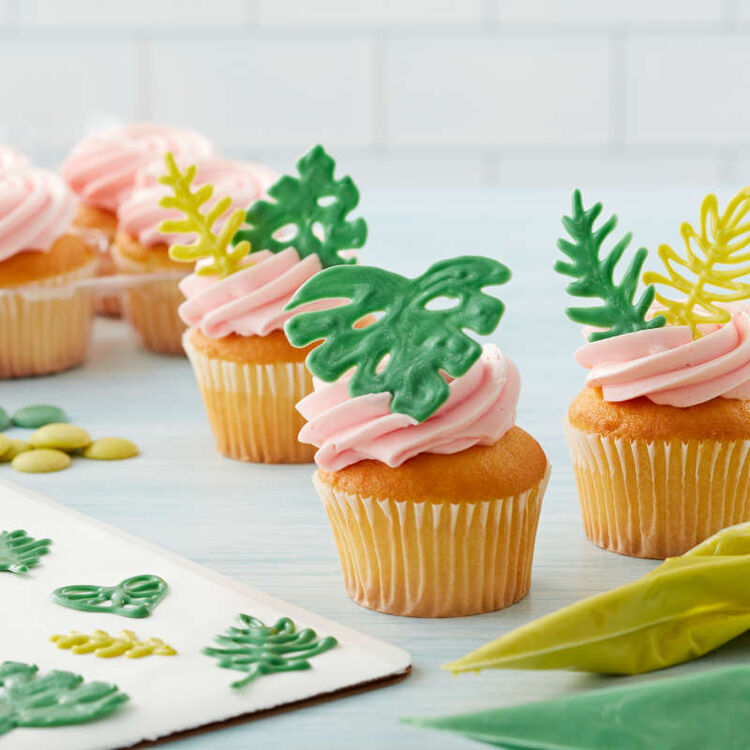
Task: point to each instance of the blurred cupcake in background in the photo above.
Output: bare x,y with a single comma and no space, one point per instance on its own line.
101,169
249,265
140,247
12,160
45,323
433,493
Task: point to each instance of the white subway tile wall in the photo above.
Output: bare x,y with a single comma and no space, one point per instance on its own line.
404,92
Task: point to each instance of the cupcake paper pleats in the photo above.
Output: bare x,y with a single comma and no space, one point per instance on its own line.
686,607
694,712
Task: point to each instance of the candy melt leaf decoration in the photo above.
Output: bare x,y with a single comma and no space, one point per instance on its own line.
407,349
259,649
19,551
106,646
209,244
717,254
703,710
315,205
52,700
134,597
594,276
684,608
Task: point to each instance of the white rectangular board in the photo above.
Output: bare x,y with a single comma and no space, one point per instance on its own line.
168,694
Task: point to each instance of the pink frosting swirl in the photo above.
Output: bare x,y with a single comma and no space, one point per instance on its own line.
140,214
481,408
36,207
102,168
250,302
12,160
668,367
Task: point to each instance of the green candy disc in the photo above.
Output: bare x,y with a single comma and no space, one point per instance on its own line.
38,415
4,419
316,205
419,343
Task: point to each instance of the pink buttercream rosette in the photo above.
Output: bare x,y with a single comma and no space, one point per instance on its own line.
480,409
667,366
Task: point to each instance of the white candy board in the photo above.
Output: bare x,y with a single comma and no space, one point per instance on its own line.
168,694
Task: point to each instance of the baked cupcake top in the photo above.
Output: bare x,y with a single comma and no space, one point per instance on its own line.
11,160
249,263
677,350
413,381
102,168
140,214
36,207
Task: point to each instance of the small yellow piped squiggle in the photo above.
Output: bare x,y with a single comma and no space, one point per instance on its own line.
714,255
107,646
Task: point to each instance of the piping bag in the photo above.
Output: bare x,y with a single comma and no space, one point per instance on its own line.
684,608
704,711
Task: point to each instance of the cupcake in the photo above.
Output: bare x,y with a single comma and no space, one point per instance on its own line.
659,435
433,493
45,319
140,248
102,169
12,160
249,375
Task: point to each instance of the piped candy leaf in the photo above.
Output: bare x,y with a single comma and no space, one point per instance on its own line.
407,349
307,213
19,551
52,700
691,712
134,597
106,646
594,276
258,649
716,256
684,608
209,244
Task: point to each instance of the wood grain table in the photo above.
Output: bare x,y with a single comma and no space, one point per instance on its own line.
265,525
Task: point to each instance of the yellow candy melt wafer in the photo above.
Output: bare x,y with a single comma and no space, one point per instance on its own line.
110,449
64,437
40,461
14,447
4,446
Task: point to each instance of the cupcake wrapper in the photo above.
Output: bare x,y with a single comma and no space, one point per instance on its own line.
251,408
658,499
109,305
45,333
425,559
151,308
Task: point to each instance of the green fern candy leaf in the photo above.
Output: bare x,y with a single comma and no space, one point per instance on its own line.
594,275
315,205
259,649
52,700
19,551
405,351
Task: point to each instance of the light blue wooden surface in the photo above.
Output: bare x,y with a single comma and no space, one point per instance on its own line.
265,525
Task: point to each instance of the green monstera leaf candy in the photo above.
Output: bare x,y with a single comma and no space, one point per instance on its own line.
259,649
52,700
408,348
136,596
307,213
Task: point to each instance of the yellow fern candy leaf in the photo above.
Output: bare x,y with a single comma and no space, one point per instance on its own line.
716,256
208,244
